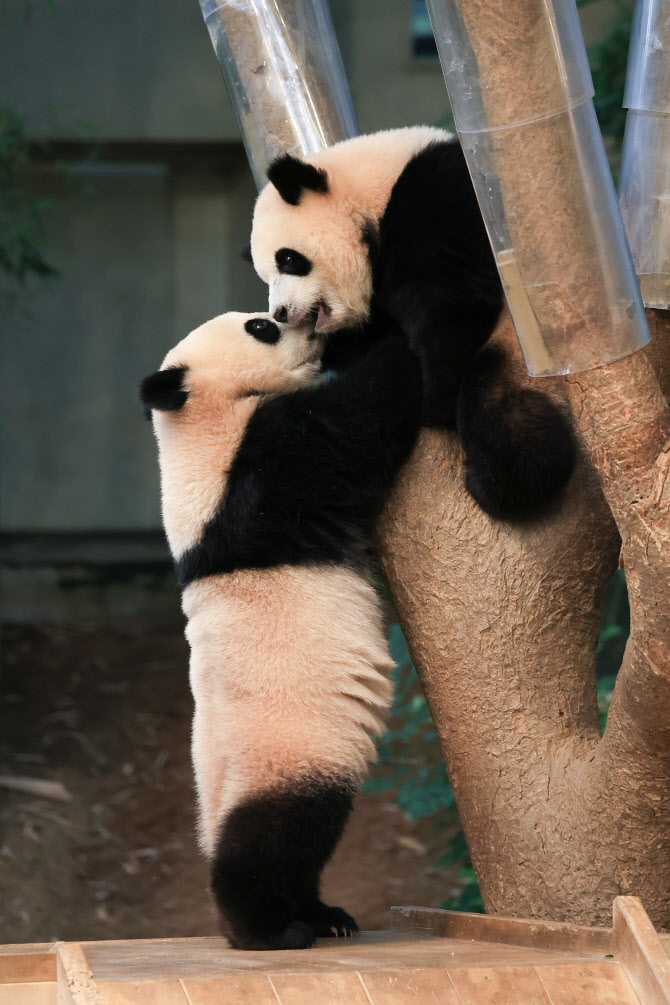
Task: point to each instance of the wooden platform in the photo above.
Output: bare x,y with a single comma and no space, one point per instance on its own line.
436,957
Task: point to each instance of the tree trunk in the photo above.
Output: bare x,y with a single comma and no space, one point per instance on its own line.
502,623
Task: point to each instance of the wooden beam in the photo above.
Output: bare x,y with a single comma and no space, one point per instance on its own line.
640,951
554,935
76,985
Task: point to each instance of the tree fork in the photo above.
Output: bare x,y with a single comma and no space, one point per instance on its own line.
502,620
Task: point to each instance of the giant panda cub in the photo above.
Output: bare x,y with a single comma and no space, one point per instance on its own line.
272,482
391,221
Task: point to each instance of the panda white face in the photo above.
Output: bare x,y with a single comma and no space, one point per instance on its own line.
312,253
237,355
202,398
314,221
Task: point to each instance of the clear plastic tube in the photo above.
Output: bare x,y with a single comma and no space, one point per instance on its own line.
282,66
539,169
648,71
644,184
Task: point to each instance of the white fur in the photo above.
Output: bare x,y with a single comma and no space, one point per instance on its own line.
290,675
197,444
327,228
289,665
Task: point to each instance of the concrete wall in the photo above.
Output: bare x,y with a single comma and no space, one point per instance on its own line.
146,241
125,70
390,88
140,70
147,250
147,246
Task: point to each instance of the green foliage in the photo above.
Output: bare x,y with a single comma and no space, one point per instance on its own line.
469,898
608,59
614,628
22,211
605,691
410,747
415,772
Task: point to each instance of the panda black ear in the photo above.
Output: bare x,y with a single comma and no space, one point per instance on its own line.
290,176
164,390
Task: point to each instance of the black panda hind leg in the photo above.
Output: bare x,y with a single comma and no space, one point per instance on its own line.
328,921
519,447
268,862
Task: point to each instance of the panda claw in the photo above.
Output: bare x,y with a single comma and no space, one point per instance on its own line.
330,922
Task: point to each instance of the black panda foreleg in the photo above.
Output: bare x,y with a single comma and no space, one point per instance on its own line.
267,866
446,337
519,448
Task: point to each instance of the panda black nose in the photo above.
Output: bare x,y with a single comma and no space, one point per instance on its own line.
281,315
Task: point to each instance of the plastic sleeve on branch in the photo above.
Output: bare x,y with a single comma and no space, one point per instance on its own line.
554,224
283,70
644,188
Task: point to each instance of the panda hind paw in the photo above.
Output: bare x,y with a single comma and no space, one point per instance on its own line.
330,922
296,935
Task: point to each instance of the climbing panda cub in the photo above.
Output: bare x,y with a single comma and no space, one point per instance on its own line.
390,222
272,482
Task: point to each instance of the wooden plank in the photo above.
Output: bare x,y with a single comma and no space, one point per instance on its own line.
144,993
665,942
587,984
16,968
397,987
74,978
641,952
499,986
319,989
200,959
39,993
555,935
246,990
26,948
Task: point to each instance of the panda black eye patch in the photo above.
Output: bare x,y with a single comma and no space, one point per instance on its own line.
264,330
292,263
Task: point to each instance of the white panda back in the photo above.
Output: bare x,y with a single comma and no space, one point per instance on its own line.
373,162
196,447
290,673
364,169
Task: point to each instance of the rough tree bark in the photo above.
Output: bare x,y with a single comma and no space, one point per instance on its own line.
502,621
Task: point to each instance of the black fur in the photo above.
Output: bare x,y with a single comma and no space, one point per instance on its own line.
434,272
268,862
164,390
313,470
307,485
370,238
291,176
349,345
263,330
519,449
245,254
291,263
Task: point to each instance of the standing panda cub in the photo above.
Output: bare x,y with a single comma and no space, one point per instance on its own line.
272,482
390,221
